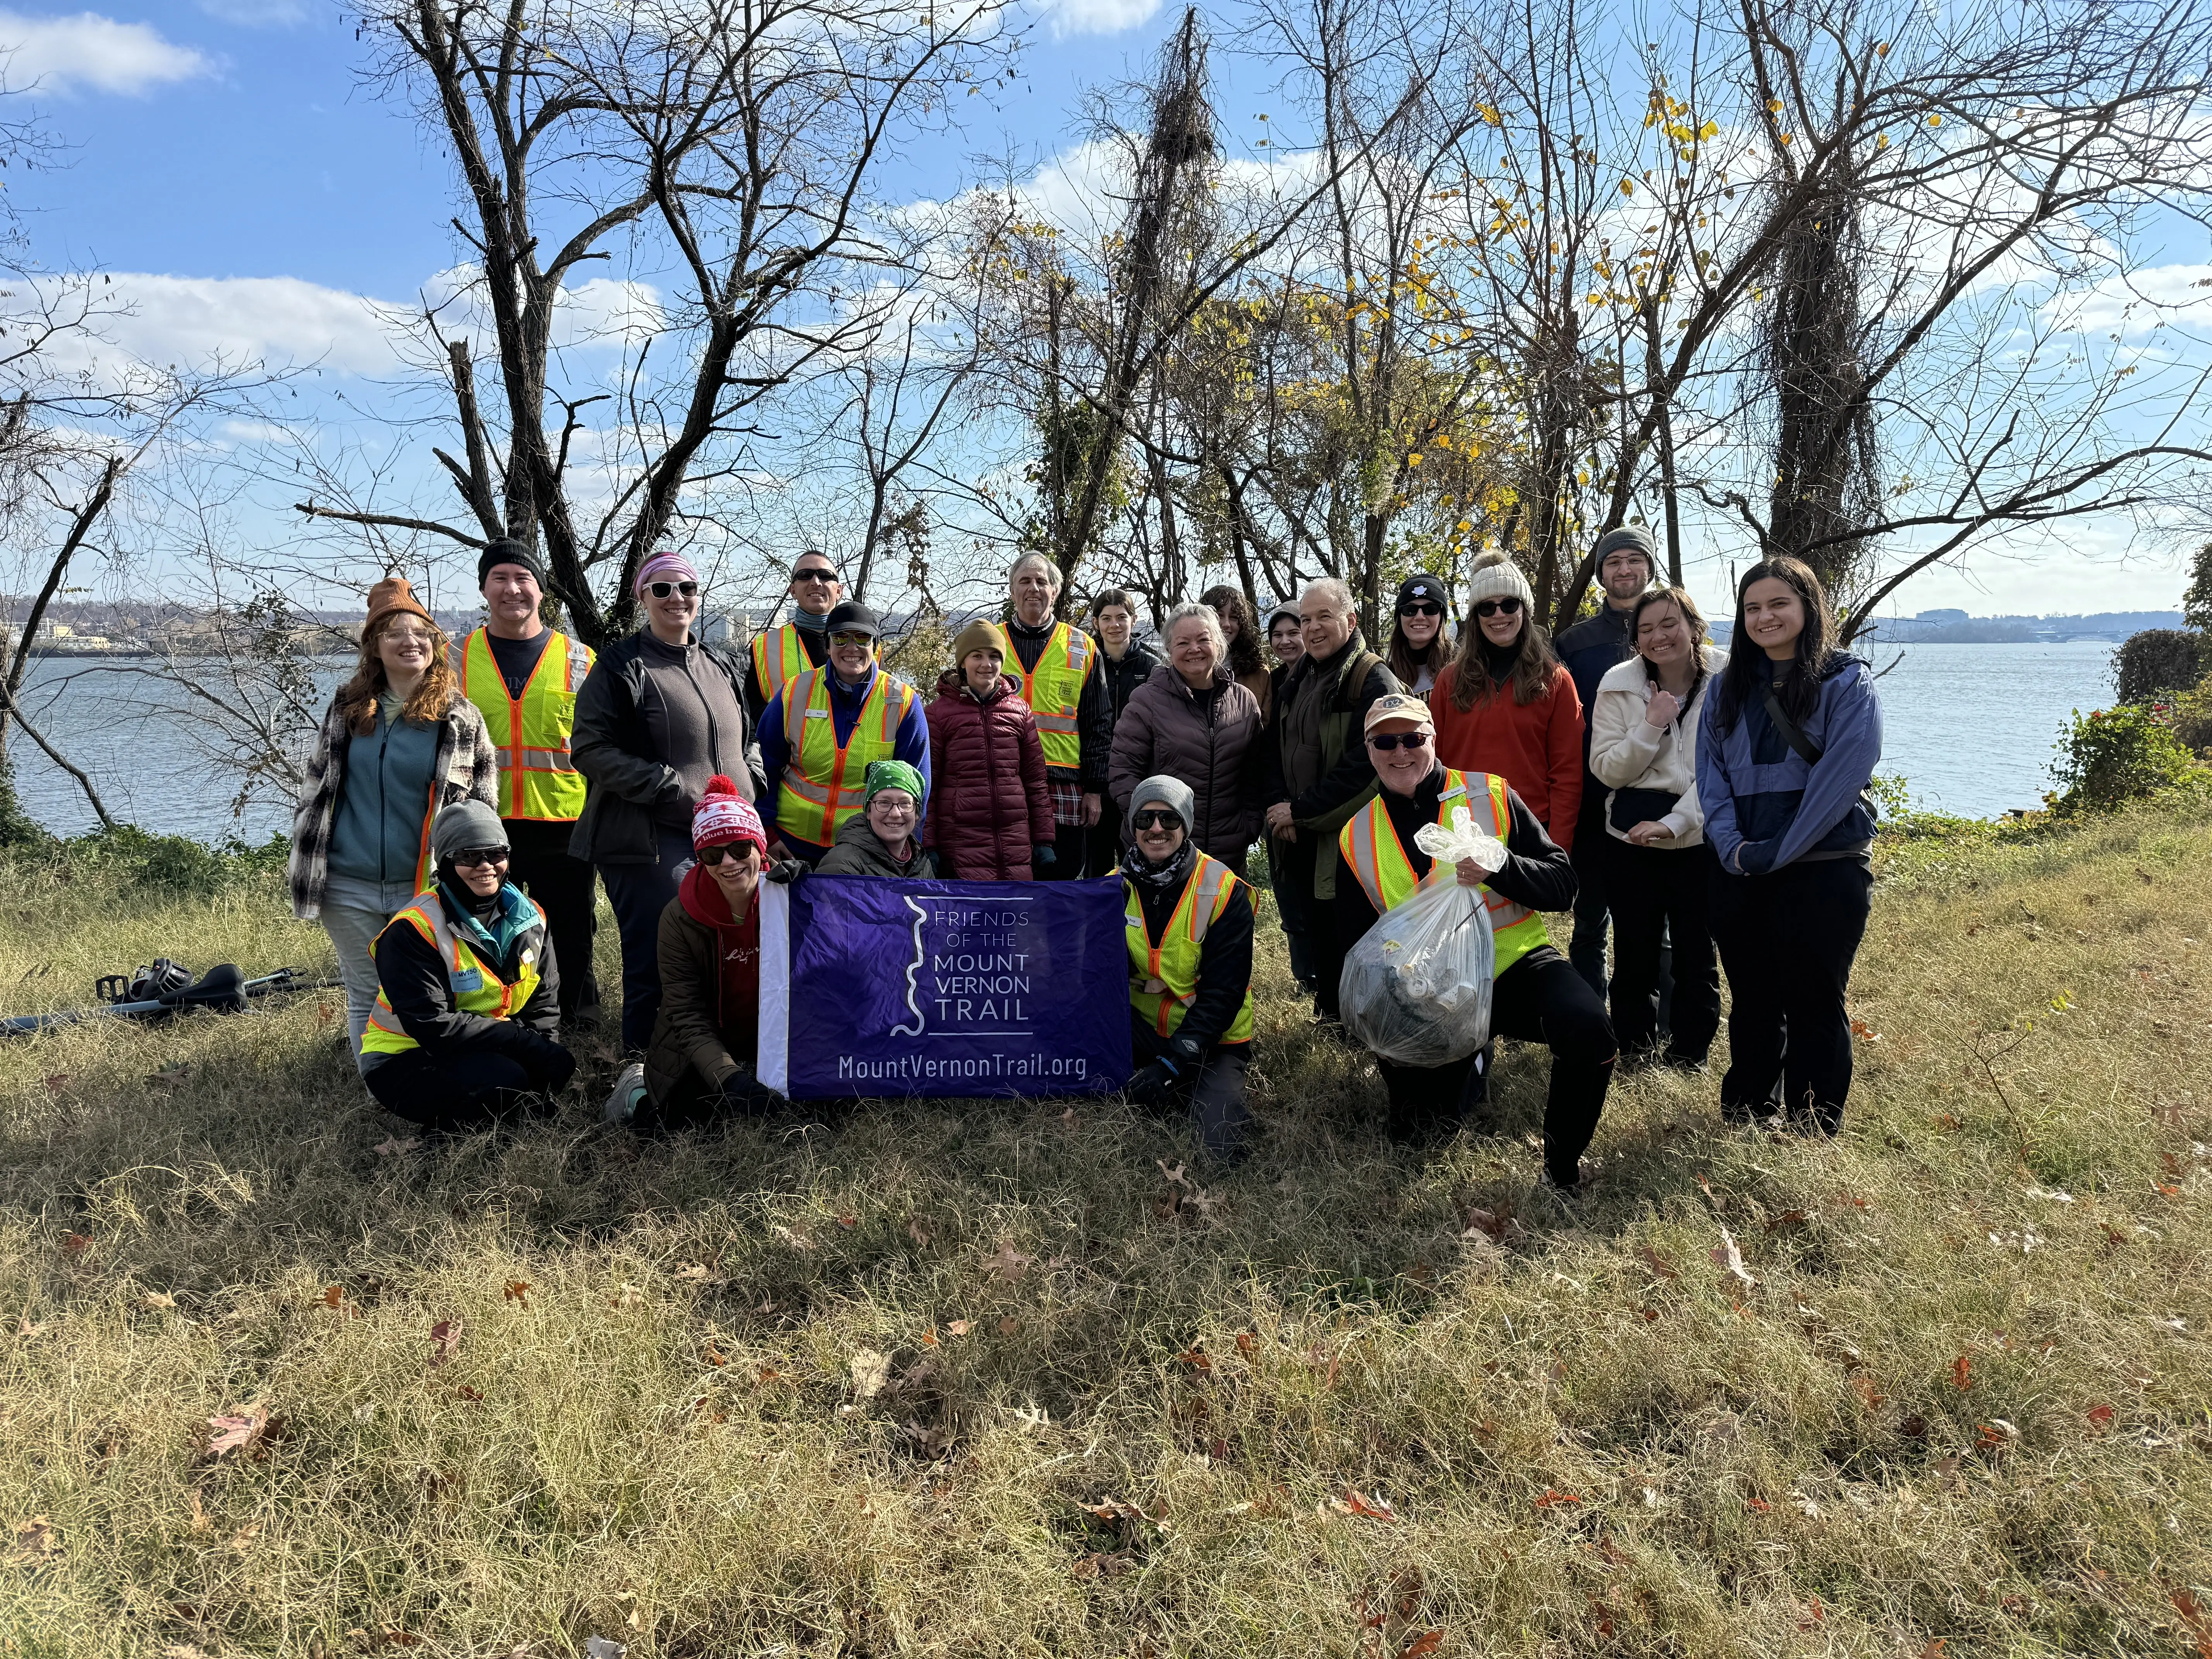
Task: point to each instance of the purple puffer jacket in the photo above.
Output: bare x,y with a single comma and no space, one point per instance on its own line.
1162,730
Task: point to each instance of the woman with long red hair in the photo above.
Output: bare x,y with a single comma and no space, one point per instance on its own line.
399,742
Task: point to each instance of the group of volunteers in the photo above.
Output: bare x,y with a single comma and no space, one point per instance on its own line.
1706,808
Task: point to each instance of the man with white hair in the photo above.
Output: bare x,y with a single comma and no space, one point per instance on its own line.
1058,665
1317,773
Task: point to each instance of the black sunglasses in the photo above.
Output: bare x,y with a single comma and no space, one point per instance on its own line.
473,858
1420,610
662,590
1156,820
715,854
1386,741
1510,606
815,575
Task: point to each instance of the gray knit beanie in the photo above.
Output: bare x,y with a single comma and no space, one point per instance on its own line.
465,824
1171,792
1495,576
1629,539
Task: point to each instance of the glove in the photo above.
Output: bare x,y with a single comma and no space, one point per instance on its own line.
1042,855
1153,1085
787,872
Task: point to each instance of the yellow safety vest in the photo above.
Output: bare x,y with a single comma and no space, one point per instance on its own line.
1053,688
820,785
537,777
477,985
1164,977
779,656
1371,851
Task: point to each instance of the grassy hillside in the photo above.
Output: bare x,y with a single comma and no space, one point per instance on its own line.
1005,1378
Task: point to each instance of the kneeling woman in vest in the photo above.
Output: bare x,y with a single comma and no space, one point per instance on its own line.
706,1038
467,990
1190,968
1538,996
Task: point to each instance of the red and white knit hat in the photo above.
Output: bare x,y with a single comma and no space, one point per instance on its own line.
723,816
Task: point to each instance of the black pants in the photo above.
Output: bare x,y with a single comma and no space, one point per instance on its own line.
465,1091
1658,894
1069,842
1214,1098
638,893
1787,940
1595,909
1102,841
1539,998
563,887
1294,906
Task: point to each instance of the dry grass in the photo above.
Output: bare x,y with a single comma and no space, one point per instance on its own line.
1314,1408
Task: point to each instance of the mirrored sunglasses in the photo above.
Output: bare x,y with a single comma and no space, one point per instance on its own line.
865,641
662,590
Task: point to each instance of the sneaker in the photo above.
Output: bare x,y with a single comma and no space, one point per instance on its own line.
628,1095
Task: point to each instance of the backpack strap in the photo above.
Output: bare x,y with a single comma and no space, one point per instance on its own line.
1792,734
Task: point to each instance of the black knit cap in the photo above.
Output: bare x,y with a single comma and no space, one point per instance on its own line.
505,550
853,618
1422,588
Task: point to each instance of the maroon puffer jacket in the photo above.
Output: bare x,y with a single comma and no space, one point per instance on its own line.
988,804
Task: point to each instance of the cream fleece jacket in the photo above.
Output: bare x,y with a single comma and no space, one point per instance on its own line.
1628,752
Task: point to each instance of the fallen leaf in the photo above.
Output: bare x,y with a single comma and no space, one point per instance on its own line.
1787,1218
914,1231
75,1244
1422,1645
714,1356
1962,1373
1198,1361
848,1222
1247,1344
696,1273
1007,1263
871,1372
1864,1032
333,1295
960,1327
242,1539
444,1341
159,1299
2100,1417
57,1082
1760,1503
1374,1509
1868,1391
793,1236
599,1647
1730,1259
1998,1435
171,1079
25,1327
630,1296
1553,1499
390,1147
929,1338
1008,1326
518,1290
1657,1263
36,1541
237,1433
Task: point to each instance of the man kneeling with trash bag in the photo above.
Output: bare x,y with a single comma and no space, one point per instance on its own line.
1412,988
467,992
1190,968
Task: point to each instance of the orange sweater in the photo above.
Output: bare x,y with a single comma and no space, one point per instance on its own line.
1537,749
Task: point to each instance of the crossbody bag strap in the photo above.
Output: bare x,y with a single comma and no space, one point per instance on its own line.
1792,734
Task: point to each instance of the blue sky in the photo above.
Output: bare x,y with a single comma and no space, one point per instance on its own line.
228,151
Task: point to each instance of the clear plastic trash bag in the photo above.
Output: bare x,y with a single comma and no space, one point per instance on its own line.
1415,987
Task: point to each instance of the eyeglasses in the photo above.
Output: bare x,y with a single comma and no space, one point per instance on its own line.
662,590
1508,607
1384,742
865,641
1156,820
410,636
475,858
883,803
712,856
1420,610
814,574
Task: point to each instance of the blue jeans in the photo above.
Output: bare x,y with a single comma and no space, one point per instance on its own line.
354,913
637,894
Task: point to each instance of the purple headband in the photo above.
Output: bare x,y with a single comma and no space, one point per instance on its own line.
664,567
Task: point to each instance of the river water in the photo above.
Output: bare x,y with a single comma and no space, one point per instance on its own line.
1969,727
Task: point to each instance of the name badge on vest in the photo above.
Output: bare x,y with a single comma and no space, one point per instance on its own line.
466,979
817,713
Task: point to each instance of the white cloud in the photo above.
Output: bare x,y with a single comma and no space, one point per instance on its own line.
188,320
88,50
1099,16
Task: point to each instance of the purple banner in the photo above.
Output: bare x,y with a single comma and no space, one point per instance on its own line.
871,986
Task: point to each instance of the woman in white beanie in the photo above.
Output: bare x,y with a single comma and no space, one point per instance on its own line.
1505,704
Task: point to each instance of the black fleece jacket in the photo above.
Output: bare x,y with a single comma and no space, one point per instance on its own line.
1094,706
1353,771
1536,872
1224,960
416,986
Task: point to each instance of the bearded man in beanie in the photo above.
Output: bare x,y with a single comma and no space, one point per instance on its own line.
660,715
467,1015
1190,969
822,731
1625,563
524,677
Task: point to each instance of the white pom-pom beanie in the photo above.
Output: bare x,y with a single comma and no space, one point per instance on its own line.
1495,576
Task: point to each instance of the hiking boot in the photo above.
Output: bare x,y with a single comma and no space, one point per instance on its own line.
627,1095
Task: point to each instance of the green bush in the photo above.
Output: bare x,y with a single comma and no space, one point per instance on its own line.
2157,660
126,856
2113,756
2192,718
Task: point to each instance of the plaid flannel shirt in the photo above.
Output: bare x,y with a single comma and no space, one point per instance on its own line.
466,764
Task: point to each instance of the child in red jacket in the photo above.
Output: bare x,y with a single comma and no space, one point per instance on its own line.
990,810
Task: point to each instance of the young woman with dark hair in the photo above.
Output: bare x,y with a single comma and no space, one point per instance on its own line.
1505,705
1788,743
1242,630
1420,647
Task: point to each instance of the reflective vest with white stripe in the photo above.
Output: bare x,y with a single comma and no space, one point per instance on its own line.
1372,853
537,777
820,785
779,657
1164,977
1052,690
475,984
